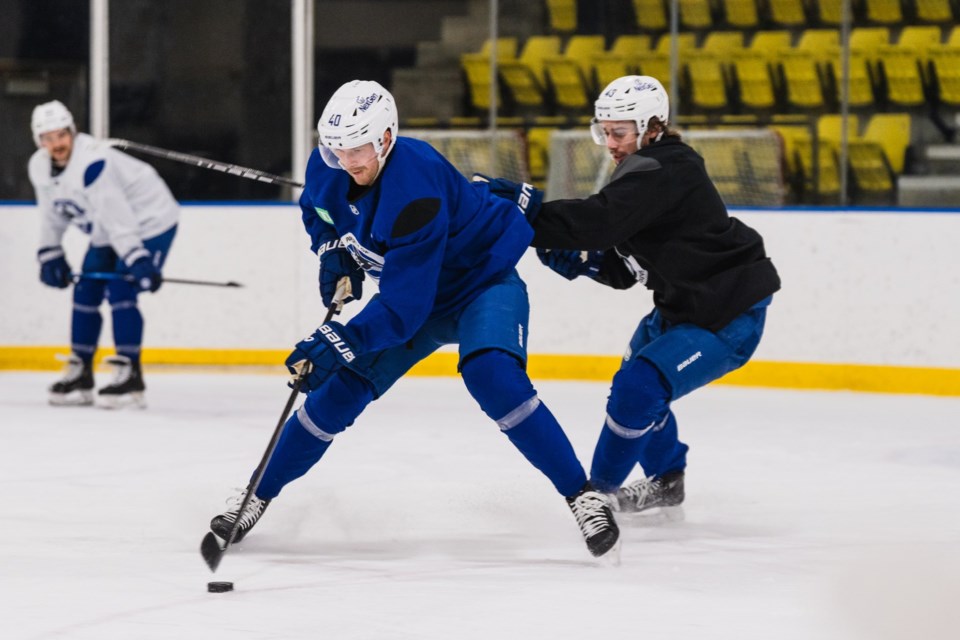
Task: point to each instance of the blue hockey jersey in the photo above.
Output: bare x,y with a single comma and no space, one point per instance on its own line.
432,239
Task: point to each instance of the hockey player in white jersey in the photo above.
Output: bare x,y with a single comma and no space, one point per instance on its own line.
131,218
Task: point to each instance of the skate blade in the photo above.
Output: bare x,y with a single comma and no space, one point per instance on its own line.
654,516
72,399
133,400
612,557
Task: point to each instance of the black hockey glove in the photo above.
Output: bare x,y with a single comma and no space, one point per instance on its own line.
336,263
570,263
529,199
54,270
326,349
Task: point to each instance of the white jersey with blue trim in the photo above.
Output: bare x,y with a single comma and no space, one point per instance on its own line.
433,239
117,199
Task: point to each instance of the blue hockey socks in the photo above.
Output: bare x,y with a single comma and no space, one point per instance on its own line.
86,321
639,429
308,433
499,384
127,319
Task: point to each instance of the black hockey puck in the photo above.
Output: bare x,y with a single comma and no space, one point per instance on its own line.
219,587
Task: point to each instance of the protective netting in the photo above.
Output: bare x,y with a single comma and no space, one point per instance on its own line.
745,165
471,151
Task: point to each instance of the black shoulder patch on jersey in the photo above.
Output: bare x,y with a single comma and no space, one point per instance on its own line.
93,172
415,216
633,164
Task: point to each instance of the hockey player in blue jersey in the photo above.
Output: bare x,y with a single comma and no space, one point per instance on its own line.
444,253
131,217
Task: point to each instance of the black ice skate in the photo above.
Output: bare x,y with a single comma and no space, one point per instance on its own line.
223,524
593,514
127,387
665,491
75,388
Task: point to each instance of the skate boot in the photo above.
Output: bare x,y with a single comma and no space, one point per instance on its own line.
223,524
127,388
76,386
647,493
592,511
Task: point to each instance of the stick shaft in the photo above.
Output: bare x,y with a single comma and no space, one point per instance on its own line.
210,549
205,163
97,275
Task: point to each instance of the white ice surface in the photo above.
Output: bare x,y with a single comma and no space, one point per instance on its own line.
809,516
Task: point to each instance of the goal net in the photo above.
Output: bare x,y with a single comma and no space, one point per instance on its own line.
502,154
745,165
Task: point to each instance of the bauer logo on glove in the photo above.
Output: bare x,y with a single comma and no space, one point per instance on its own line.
337,342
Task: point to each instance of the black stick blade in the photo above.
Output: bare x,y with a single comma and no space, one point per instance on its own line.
211,551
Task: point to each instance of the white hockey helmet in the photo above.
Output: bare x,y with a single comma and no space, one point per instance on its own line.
51,116
358,112
636,98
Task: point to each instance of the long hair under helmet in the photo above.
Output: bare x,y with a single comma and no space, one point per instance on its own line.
358,112
50,116
637,98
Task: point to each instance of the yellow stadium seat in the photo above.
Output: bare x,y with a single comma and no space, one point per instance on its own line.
888,12
562,15
476,69
827,12
740,14
770,41
707,83
939,11
538,154
651,15
821,178
953,40
722,40
685,42
830,127
903,79
800,68
656,63
752,79
506,48
525,77
871,176
787,13
945,74
892,131
864,45
630,45
570,75
695,14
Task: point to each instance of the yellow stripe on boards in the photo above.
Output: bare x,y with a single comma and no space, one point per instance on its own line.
784,375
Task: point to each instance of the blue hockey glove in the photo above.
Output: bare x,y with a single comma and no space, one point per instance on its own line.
54,270
326,350
528,198
146,276
336,263
570,263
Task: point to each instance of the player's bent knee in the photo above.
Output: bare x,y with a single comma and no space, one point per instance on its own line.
639,397
497,381
88,293
334,406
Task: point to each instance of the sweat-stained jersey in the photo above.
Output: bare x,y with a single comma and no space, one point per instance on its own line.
432,239
116,199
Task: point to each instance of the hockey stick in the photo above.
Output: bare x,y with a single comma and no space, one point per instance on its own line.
232,169
210,548
96,275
